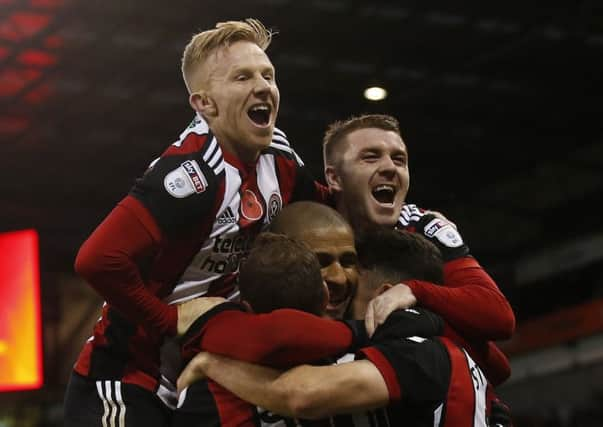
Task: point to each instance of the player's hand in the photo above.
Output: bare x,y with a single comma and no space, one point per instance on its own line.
189,311
379,308
194,371
411,213
440,215
437,229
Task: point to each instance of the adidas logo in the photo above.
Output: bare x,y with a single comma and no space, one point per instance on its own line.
227,217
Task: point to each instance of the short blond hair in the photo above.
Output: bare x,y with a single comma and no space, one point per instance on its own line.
337,131
225,33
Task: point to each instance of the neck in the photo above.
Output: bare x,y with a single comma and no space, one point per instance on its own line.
245,156
357,224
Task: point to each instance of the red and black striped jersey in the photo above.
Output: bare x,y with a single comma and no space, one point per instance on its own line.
431,382
180,233
493,317
474,307
282,338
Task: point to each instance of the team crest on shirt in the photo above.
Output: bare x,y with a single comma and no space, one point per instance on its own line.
185,180
444,232
275,204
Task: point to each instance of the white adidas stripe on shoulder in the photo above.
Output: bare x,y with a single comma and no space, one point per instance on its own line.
287,149
213,156
279,135
276,139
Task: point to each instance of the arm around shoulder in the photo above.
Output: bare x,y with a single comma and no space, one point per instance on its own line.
306,391
314,392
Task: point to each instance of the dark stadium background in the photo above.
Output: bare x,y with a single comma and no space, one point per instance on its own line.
500,105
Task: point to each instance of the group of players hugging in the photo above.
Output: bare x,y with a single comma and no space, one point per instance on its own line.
240,291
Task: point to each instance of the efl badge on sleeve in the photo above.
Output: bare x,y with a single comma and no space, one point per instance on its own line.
185,180
444,232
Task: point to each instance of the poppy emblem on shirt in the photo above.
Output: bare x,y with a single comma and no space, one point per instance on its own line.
251,208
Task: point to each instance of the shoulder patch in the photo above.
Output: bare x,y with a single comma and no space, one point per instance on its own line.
444,232
185,180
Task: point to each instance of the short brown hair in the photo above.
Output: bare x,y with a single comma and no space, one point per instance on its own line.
224,34
391,255
281,272
338,130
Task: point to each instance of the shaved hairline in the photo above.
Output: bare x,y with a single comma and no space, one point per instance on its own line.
300,218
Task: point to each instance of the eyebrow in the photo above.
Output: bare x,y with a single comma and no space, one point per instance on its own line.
248,68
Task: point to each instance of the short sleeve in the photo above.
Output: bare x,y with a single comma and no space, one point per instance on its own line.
415,369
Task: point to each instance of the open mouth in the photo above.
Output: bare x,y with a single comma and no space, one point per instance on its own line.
260,114
384,194
338,295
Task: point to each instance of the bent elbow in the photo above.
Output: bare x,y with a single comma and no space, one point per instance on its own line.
505,321
93,262
509,323
85,264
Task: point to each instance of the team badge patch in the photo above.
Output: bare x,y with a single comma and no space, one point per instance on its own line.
185,180
275,204
444,232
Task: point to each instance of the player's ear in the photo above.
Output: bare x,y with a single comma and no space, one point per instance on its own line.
247,306
332,177
203,103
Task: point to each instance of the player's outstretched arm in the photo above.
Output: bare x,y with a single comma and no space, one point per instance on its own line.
309,392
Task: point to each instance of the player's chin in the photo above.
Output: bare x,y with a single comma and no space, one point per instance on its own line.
259,141
336,311
384,216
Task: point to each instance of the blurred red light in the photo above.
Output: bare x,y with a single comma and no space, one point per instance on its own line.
36,58
53,42
20,319
12,80
22,25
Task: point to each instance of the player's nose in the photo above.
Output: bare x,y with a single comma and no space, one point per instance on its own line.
261,86
334,275
387,165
